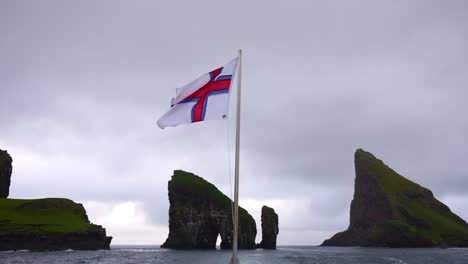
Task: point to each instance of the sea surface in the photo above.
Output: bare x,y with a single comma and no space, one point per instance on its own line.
286,255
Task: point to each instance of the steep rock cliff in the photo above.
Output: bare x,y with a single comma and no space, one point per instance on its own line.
5,173
269,228
198,212
389,210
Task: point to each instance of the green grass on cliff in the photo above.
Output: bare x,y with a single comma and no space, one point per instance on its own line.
390,181
41,216
441,227
191,183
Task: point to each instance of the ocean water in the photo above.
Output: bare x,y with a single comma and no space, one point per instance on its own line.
284,255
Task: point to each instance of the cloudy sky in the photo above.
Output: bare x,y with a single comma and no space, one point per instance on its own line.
82,84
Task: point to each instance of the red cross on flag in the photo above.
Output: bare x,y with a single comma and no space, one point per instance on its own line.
206,98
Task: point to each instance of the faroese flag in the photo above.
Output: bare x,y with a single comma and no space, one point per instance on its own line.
206,98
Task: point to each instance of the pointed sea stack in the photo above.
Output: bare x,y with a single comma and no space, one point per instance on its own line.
389,210
5,173
198,212
269,228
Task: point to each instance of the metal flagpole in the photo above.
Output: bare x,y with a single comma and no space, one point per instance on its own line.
235,259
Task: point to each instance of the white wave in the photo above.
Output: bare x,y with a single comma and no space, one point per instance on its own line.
140,249
395,260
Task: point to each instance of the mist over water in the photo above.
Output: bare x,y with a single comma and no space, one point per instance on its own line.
284,255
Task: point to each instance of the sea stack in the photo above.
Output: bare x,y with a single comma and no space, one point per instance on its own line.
269,228
389,210
199,212
5,173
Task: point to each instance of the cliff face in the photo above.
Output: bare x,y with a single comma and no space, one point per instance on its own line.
48,224
5,173
198,212
269,228
389,210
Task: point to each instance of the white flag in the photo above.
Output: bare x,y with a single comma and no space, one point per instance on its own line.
206,98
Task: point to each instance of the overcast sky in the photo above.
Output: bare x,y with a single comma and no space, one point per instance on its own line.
82,84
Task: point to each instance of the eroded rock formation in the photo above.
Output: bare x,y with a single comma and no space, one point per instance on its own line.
389,210
5,173
269,228
199,212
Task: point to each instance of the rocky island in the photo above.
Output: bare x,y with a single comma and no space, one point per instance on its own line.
389,210
44,224
269,228
199,212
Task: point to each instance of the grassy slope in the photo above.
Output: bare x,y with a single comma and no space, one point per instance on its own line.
41,216
190,183
396,186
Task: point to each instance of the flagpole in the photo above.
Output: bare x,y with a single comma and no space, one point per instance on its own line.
235,259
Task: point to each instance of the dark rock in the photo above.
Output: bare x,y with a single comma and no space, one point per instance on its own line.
389,210
270,228
88,240
198,212
5,173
